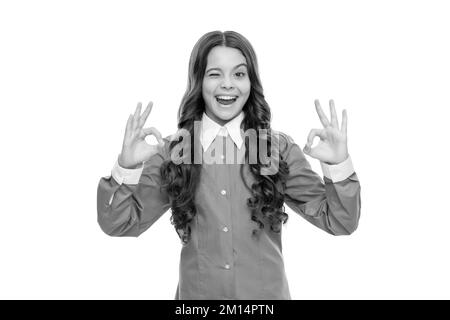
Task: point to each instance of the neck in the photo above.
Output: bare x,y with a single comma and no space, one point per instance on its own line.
217,119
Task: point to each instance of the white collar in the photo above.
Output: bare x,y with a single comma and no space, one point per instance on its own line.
211,129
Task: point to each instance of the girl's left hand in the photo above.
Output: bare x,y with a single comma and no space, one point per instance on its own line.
332,147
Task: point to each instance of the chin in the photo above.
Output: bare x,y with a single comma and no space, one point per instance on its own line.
226,114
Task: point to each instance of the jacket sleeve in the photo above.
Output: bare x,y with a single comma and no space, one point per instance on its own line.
131,200
332,204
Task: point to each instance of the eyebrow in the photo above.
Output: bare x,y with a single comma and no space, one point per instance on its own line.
239,65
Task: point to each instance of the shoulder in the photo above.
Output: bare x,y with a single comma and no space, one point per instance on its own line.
284,139
165,149
179,135
289,149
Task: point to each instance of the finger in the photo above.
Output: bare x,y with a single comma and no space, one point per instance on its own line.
313,133
344,122
128,126
153,131
145,114
323,118
334,119
136,116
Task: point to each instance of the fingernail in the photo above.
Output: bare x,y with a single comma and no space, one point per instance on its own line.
306,148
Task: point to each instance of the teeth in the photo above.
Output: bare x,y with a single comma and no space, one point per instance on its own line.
226,97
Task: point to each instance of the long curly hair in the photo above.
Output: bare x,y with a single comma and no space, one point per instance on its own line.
181,180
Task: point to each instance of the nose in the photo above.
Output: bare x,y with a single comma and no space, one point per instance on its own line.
226,83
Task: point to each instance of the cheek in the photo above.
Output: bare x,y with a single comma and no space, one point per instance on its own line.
208,88
245,87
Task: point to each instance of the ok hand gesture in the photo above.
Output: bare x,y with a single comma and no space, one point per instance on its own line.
332,147
135,149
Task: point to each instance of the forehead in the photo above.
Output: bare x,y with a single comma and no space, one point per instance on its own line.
225,57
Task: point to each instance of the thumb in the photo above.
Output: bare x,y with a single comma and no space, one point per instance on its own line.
307,149
310,151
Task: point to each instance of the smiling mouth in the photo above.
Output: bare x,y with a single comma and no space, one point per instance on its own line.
226,100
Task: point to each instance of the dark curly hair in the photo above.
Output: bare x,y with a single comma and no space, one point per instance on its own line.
181,180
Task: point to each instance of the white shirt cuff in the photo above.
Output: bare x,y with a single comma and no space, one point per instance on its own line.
338,172
126,176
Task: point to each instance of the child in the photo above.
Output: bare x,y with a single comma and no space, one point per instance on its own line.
228,214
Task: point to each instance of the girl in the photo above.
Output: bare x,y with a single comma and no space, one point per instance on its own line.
228,214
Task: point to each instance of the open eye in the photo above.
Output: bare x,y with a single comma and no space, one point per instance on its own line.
240,74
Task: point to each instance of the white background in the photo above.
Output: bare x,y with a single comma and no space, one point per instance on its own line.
71,72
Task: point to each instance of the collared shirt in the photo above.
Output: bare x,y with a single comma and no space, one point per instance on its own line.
211,129
222,260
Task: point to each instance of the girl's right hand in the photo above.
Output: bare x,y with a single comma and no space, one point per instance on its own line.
135,150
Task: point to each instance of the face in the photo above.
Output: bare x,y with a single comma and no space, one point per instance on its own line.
226,85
